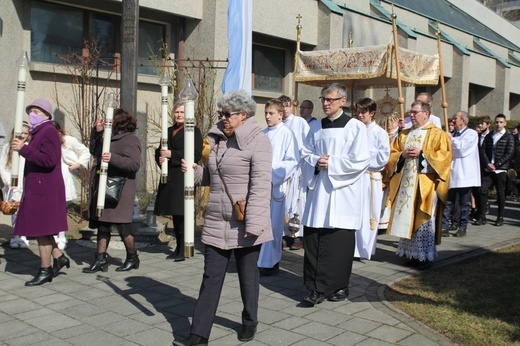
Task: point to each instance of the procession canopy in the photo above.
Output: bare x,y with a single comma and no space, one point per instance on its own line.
371,66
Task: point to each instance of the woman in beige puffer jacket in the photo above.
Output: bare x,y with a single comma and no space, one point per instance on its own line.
243,154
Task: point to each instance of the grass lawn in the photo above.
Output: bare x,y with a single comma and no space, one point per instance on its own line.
475,302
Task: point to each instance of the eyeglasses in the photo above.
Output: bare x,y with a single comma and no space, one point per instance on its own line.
329,100
226,114
414,112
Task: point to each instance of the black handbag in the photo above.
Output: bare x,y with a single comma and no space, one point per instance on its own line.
114,190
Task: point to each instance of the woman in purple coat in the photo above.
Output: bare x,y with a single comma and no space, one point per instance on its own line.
43,210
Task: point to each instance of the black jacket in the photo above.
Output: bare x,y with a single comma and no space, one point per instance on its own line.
504,150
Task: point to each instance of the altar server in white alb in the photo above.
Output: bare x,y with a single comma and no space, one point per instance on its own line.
286,157
464,174
335,159
295,200
372,198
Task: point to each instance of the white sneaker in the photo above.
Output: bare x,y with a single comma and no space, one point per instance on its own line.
15,242
23,242
62,243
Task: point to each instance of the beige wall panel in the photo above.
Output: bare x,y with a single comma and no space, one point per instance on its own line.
482,70
278,19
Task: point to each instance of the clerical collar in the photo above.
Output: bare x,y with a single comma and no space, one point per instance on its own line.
341,121
335,118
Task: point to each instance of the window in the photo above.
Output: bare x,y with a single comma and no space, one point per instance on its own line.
268,68
60,30
55,30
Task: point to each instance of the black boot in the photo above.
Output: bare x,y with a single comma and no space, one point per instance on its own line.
131,262
100,263
460,233
179,249
44,275
193,340
59,263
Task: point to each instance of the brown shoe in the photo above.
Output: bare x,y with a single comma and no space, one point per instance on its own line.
297,244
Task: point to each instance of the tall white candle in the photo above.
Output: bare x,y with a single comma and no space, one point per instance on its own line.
18,122
107,136
164,82
189,95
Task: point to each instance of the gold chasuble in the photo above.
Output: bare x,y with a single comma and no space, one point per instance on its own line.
415,186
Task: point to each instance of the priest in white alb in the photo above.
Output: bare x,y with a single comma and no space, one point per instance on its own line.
335,158
286,157
420,159
372,197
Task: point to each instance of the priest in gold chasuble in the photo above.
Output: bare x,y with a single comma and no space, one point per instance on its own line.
420,160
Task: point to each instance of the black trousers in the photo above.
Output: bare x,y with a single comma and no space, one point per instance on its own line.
215,264
499,181
178,230
328,258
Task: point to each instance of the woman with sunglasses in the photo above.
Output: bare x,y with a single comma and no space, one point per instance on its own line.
239,163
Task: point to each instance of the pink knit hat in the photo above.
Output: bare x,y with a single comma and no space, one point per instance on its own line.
44,105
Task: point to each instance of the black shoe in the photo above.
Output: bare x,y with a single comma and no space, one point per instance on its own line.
414,262
59,263
452,227
338,296
100,263
270,271
424,265
461,232
44,275
500,221
480,221
131,262
313,298
176,257
445,233
247,332
193,340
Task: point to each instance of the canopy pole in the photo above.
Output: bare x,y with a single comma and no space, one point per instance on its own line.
298,39
444,104
400,99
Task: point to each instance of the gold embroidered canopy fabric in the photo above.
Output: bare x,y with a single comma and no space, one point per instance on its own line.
366,66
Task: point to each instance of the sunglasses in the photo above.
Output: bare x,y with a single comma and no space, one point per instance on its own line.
226,114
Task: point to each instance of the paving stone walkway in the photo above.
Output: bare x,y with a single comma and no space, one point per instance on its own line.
153,305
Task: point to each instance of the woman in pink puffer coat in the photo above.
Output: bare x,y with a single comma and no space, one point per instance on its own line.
242,153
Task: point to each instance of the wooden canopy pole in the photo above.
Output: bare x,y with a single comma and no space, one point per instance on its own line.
441,76
298,38
400,99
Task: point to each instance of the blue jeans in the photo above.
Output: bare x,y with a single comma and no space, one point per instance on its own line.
464,198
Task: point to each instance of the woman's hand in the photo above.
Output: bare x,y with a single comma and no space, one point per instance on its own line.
74,166
100,124
105,157
184,166
17,144
165,153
